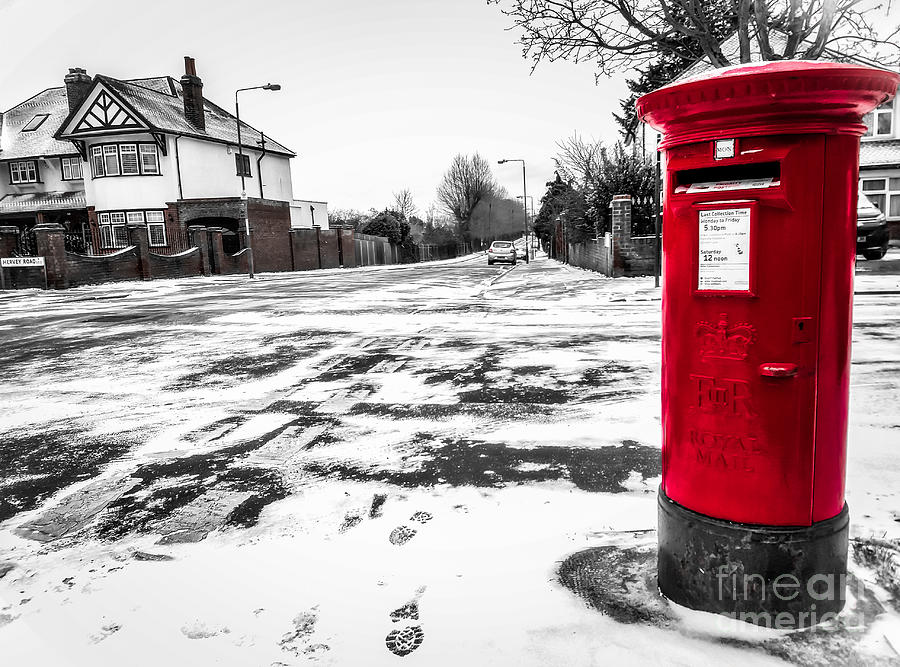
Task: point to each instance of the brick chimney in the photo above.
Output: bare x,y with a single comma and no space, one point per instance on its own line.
192,88
78,85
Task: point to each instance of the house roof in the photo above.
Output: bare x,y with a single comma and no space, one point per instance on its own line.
42,201
157,99
41,142
879,153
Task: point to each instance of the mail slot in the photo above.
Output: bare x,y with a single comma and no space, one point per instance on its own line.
758,253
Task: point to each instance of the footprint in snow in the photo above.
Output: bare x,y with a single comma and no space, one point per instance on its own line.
404,640
299,641
403,534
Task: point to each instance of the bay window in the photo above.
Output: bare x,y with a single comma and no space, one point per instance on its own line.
114,233
132,159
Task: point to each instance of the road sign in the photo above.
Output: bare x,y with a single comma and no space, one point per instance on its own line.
21,262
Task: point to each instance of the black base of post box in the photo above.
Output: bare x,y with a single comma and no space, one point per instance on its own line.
776,576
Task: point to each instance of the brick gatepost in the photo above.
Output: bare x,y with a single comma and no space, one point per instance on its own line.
621,233
9,239
51,245
137,236
200,240
217,256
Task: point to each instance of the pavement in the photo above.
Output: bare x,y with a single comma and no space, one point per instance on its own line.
436,463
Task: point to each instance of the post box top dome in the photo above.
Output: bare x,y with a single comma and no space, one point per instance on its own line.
780,97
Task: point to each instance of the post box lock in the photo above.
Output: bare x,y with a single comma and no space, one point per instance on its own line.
802,330
777,370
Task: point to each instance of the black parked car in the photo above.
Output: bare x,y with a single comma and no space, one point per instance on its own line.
871,230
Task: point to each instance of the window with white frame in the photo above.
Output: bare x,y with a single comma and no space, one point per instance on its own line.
135,217
149,159
97,161
23,172
879,123
129,157
884,193
71,168
111,160
113,233
156,228
134,159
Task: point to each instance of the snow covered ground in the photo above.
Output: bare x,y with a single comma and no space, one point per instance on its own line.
376,465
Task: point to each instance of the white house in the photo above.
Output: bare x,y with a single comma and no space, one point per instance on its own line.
100,153
306,214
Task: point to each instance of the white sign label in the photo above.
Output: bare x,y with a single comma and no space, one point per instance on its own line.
21,261
724,245
722,186
724,148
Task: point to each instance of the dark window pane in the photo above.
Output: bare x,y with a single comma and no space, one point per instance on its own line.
873,184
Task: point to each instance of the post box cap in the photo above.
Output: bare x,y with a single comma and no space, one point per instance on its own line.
780,97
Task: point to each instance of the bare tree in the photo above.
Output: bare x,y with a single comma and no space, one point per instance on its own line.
468,181
404,205
631,34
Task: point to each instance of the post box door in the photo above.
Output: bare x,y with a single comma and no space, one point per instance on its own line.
739,354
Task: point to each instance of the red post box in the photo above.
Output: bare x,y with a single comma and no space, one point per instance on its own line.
759,248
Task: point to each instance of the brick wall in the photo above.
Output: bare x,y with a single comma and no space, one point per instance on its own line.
305,249
84,270
236,263
618,253
176,266
270,224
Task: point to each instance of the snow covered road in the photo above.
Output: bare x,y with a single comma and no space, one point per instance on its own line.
363,467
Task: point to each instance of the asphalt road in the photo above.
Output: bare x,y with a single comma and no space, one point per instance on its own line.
463,428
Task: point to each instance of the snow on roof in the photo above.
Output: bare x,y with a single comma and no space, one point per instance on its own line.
41,142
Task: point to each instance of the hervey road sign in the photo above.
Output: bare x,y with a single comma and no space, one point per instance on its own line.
20,262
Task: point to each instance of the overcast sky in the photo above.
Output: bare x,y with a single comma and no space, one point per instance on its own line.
378,94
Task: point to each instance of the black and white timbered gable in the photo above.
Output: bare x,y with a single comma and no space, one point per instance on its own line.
106,113
102,112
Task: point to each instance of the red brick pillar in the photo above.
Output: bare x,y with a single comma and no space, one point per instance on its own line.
9,238
621,233
50,241
137,236
200,240
217,252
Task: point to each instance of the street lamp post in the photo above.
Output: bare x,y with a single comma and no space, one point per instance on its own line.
531,208
524,202
241,171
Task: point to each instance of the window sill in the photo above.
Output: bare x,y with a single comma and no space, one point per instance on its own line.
94,178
